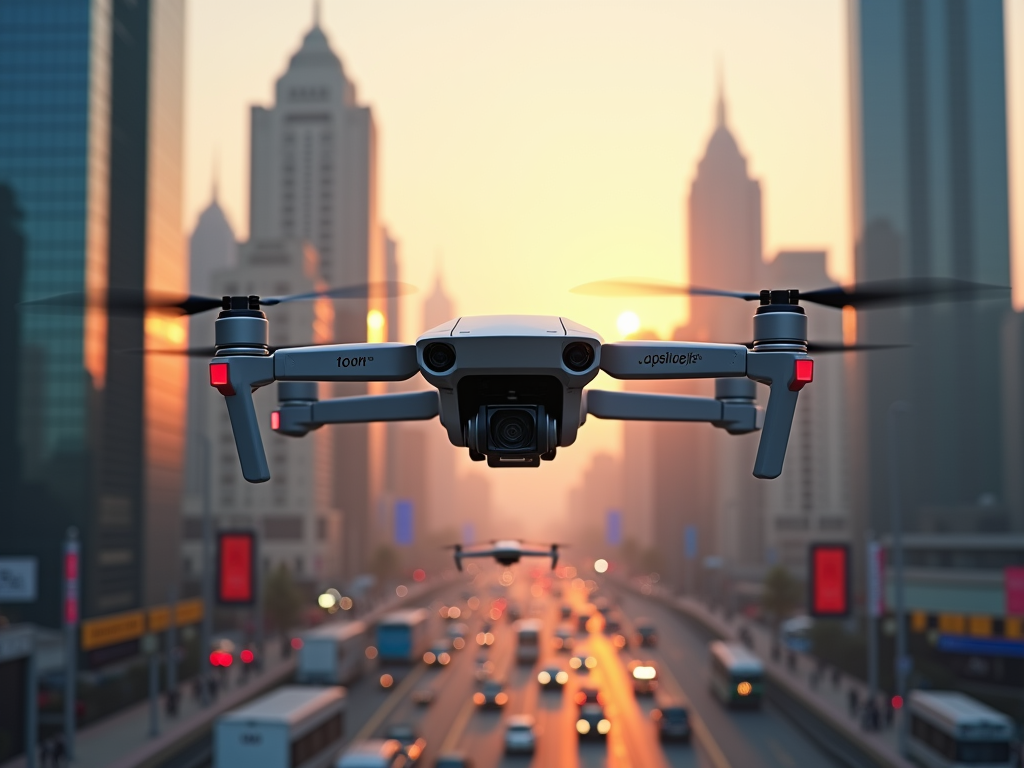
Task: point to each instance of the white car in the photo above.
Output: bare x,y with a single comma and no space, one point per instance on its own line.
520,736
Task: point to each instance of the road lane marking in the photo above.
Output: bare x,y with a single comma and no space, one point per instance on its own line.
451,741
390,703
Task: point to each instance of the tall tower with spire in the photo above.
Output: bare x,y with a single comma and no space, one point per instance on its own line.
708,468
314,177
438,307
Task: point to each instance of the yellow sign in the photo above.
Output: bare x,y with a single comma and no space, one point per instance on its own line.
189,612
110,630
185,612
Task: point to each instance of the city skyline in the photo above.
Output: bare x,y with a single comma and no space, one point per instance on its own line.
798,137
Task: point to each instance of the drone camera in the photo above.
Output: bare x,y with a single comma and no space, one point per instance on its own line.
578,356
439,357
512,435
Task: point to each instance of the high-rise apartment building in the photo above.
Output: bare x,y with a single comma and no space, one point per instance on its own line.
90,159
930,200
314,177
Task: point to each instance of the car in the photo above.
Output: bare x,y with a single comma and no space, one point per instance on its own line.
491,695
672,719
588,695
484,667
645,677
457,634
612,624
439,653
646,633
583,663
565,611
552,677
564,640
412,743
453,760
423,697
592,722
582,619
520,735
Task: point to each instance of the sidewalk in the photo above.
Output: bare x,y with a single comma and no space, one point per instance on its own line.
123,741
828,702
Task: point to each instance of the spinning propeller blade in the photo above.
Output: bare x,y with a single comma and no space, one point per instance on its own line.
122,301
828,347
913,290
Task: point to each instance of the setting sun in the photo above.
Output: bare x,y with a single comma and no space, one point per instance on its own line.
628,323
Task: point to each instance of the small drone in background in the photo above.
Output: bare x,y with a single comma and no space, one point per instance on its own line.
506,552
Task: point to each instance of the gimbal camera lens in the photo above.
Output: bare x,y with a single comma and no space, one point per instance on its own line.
439,357
578,356
512,429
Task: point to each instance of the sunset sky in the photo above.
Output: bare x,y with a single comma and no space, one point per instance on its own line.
534,145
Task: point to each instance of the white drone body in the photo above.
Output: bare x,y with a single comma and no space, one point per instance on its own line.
513,388
506,552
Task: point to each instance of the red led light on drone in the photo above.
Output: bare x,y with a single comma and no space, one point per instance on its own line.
275,420
803,373
219,378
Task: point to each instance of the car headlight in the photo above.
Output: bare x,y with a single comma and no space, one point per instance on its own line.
562,677
544,677
603,726
583,726
591,662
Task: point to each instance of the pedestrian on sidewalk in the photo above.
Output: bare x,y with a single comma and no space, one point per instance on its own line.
46,754
172,702
852,699
890,713
59,752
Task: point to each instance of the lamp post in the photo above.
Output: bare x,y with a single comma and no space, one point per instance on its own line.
71,563
903,663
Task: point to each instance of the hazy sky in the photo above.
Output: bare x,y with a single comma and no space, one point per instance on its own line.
532,145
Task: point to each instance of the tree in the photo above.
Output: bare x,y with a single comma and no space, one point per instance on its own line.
781,593
282,599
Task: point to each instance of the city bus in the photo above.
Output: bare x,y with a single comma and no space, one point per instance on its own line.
295,726
334,653
528,640
950,730
737,675
404,636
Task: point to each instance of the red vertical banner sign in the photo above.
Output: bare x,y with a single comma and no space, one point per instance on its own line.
71,612
829,576
236,563
1013,583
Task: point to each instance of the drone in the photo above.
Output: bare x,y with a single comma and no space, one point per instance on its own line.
512,389
506,552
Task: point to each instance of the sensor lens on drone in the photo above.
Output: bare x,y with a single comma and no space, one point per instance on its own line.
578,356
513,429
439,357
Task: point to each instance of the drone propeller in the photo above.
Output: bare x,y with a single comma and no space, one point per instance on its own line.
868,295
129,302
197,351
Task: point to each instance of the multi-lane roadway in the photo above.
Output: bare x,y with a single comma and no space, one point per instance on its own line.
453,722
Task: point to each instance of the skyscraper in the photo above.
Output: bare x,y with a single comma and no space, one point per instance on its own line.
314,177
212,248
90,149
930,200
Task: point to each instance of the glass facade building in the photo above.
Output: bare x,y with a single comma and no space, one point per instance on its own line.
930,199
90,191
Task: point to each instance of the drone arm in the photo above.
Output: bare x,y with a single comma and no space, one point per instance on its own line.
672,360
733,411
785,373
347,362
640,406
296,418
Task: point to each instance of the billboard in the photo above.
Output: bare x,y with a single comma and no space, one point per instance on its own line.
236,567
403,523
18,580
829,580
614,528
